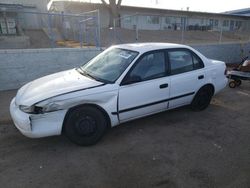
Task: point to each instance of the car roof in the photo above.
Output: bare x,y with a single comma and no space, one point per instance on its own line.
144,47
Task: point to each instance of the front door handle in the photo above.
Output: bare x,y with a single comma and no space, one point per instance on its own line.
163,86
200,77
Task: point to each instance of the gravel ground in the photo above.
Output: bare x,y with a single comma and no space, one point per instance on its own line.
175,149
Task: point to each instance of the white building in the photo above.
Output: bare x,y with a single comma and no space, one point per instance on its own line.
159,19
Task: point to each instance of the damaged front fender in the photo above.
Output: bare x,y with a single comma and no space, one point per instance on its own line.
106,100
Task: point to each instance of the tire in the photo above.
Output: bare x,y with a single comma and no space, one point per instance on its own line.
232,84
202,99
238,82
85,125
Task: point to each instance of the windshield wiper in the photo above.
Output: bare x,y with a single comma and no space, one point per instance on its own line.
84,73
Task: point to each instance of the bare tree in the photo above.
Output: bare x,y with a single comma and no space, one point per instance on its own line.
114,9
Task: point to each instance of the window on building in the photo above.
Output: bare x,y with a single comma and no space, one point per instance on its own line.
216,23
231,23
153,19
127,19
225,23
7,26
238,24
211,22
202,21
167,20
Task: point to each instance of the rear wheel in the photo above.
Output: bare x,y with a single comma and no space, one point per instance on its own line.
202,99
85,125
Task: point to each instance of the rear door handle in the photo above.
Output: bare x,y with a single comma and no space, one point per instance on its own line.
200,77
163,86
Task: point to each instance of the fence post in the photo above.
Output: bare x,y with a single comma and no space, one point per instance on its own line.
63,31
81,33
99,28
114,25
136,29
50,31
220,35
87,35
96,32
182,29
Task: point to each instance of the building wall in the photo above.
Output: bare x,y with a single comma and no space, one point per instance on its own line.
175,22
142,20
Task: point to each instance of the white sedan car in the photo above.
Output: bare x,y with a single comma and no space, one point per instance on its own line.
122,83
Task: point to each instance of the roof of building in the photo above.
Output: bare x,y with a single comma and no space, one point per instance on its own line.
243,12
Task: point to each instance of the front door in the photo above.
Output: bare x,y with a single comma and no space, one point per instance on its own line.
145,89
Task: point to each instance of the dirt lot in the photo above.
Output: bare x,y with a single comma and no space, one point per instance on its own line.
174,149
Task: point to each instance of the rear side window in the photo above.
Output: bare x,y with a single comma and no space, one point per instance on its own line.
183,61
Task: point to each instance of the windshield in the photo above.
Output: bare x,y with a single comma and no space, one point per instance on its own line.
109,65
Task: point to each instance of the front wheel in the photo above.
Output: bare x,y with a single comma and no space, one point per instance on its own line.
202,99
85,125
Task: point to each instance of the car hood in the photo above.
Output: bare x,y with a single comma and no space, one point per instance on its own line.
53,85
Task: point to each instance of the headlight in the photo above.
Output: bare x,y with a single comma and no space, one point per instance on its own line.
27,109
31,109
50,107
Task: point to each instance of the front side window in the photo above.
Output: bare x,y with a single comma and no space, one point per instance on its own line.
183,61
150,66
109,65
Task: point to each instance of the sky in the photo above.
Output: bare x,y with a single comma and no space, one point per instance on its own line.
194,5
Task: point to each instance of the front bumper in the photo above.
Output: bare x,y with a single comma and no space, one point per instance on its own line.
20,119
37,125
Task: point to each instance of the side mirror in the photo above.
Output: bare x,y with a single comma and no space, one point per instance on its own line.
131,79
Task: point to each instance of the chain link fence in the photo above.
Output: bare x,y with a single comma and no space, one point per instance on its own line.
30,29
49,29
158,28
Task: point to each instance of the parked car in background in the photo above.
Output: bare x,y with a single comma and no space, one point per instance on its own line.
122,83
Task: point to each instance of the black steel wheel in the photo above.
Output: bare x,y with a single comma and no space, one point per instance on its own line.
202,99
85,125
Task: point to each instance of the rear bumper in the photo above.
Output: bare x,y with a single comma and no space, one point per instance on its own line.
37,125
220,84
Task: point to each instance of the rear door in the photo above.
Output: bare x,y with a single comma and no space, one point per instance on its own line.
187,76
